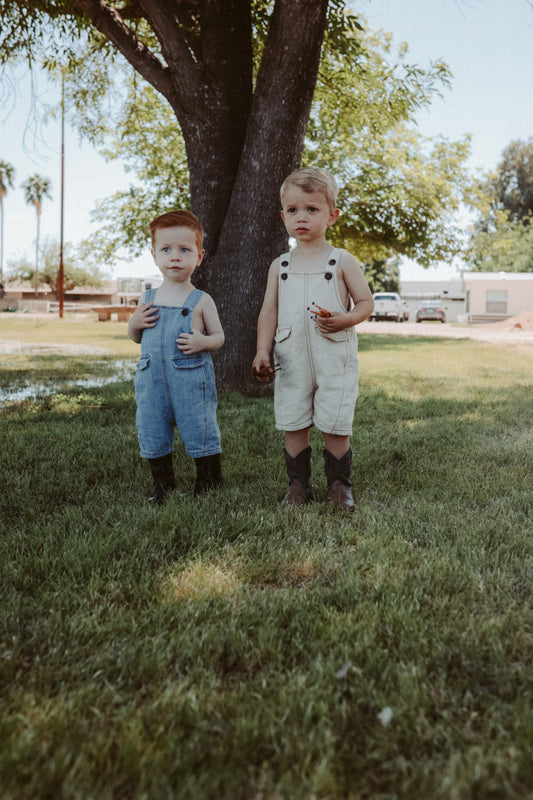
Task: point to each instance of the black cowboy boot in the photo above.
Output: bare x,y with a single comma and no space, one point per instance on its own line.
163,475
338,477
208,473
299,474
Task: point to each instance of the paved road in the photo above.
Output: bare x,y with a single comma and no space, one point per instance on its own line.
483,333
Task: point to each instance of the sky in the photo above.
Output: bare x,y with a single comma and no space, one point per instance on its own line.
486,43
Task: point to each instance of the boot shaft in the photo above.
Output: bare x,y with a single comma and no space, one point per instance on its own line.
299,467
338,468
208,473
163,474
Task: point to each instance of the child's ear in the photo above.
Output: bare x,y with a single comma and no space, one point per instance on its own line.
333,216
201,254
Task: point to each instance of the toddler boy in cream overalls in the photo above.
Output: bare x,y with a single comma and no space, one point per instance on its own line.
315,296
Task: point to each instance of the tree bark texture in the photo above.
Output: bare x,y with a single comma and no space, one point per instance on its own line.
241,139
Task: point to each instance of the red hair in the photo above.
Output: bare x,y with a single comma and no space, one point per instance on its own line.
182,219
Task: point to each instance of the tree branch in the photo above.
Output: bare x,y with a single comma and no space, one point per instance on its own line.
160,14
109,22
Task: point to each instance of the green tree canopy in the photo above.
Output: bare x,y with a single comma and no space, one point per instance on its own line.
510,187
502,236
399,192
507,246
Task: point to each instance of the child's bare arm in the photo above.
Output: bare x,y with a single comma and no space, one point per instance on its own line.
267,323
212,339
351,274
144,316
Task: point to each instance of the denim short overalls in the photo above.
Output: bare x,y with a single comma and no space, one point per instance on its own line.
317,383
172,388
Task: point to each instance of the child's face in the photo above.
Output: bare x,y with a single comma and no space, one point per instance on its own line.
176,253
306,215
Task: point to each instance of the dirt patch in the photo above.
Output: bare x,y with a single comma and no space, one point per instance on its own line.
522,321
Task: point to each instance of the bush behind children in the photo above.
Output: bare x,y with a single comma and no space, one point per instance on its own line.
315,295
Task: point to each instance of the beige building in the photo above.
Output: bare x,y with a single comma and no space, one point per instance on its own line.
21,296
493,296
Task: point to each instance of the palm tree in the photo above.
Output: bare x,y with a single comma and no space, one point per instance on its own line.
36,188
7,173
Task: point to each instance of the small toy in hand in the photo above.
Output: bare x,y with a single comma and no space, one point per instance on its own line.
266,373
320,312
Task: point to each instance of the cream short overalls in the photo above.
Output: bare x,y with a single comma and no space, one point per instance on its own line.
317,382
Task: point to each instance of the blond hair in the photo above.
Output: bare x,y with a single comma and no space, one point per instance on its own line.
313,179
181,219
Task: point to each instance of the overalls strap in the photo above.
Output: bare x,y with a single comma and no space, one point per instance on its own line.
189,303
332,260
334,257
192,299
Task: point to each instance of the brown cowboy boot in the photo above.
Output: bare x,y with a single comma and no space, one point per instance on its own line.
299,473
338,478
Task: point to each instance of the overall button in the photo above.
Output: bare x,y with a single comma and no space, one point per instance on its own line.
185,312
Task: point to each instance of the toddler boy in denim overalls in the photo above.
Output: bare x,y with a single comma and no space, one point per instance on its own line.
315,296
177,327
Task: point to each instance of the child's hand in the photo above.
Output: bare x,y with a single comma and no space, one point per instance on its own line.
335,322
145,316
191,342
262,368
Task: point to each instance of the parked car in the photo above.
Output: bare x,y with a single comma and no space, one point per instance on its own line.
430,311
387,305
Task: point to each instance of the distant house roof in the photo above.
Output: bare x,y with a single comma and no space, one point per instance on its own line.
498,276
108,288
433,289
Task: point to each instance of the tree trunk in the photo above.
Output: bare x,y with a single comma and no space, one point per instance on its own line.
252,233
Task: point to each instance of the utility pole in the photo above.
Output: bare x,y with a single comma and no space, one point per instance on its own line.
60,275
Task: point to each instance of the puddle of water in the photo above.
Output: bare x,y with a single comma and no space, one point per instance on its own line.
124,370
7,346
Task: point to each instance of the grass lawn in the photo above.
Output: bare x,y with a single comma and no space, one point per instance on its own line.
228,648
